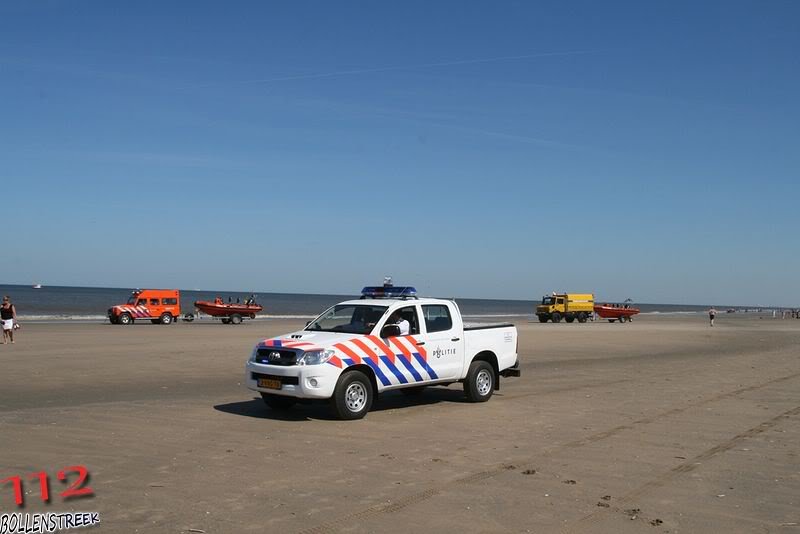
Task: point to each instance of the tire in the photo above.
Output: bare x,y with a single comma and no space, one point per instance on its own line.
542,318
236,319
622,319
413,391
570,319
188,317
353,395
124,318
165,318
582,317
479,384
278,402
556,317
225,320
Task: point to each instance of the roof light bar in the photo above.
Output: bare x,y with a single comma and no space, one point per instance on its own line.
378,292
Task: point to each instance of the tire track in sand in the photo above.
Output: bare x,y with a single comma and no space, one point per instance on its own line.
415,498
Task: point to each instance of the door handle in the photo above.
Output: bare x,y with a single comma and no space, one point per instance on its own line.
455,339
419,343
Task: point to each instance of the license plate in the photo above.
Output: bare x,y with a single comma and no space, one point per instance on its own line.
270,383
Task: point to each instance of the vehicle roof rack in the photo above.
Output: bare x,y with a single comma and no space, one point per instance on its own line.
389,292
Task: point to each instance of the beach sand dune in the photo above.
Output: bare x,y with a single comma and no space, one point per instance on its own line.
663,423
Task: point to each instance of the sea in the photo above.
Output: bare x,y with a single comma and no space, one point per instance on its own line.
66,303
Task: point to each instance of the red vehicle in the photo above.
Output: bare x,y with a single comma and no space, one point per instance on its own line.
231,313
158,305
616,312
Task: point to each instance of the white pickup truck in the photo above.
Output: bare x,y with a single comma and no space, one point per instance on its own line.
356,349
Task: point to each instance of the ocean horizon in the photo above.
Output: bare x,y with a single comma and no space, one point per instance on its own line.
82,303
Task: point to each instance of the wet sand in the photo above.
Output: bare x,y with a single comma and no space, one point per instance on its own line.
662,425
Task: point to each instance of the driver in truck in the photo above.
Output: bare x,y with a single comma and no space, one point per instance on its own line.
405,326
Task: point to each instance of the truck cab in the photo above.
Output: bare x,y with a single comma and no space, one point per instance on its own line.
567,306
356,349
160,306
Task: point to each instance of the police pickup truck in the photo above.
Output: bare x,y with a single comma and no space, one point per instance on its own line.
388,339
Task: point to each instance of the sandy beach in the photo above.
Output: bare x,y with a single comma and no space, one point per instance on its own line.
662,425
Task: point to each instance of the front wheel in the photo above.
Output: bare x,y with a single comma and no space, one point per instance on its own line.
352,398
622,319
479,384
278,402
542,318
166,318
236,319
556,317
124,318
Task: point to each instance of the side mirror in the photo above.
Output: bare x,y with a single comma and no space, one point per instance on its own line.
390,330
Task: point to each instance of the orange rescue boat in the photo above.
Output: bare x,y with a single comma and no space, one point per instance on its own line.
616,312
232,313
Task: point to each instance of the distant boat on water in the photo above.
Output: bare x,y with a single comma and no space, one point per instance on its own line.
37,286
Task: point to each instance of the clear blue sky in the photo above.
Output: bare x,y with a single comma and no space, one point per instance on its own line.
478,149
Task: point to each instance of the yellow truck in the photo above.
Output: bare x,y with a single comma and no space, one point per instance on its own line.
567,306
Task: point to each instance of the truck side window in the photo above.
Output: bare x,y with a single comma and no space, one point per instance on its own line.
409,313
169,302
437,318
153,302
141,302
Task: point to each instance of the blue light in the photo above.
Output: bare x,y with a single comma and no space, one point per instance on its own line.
377,292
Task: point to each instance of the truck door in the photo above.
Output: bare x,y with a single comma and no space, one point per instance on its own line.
443,337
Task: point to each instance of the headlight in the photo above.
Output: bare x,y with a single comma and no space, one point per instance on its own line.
254,353
316,357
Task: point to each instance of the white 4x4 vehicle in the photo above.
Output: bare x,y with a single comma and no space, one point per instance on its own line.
355,350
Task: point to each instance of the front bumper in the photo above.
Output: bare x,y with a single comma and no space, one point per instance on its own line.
296,380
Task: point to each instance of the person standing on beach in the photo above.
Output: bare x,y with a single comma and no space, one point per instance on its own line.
8,314
711,314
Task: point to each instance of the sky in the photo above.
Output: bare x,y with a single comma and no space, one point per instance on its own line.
474,149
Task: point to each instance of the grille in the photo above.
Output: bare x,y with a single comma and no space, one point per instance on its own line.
288,380
285,357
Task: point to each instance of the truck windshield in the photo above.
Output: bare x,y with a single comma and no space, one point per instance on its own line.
348,318
132,300
548,301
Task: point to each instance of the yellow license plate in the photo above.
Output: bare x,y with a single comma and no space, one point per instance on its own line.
270,383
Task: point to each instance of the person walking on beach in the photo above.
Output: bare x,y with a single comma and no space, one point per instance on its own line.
8,314
711,314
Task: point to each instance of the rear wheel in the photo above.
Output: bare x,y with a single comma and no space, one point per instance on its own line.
166,318
125,318
570,319
611,320
236,319
556,317
225,320
479,384
352,397
582,317
622,319
278,402
542,318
